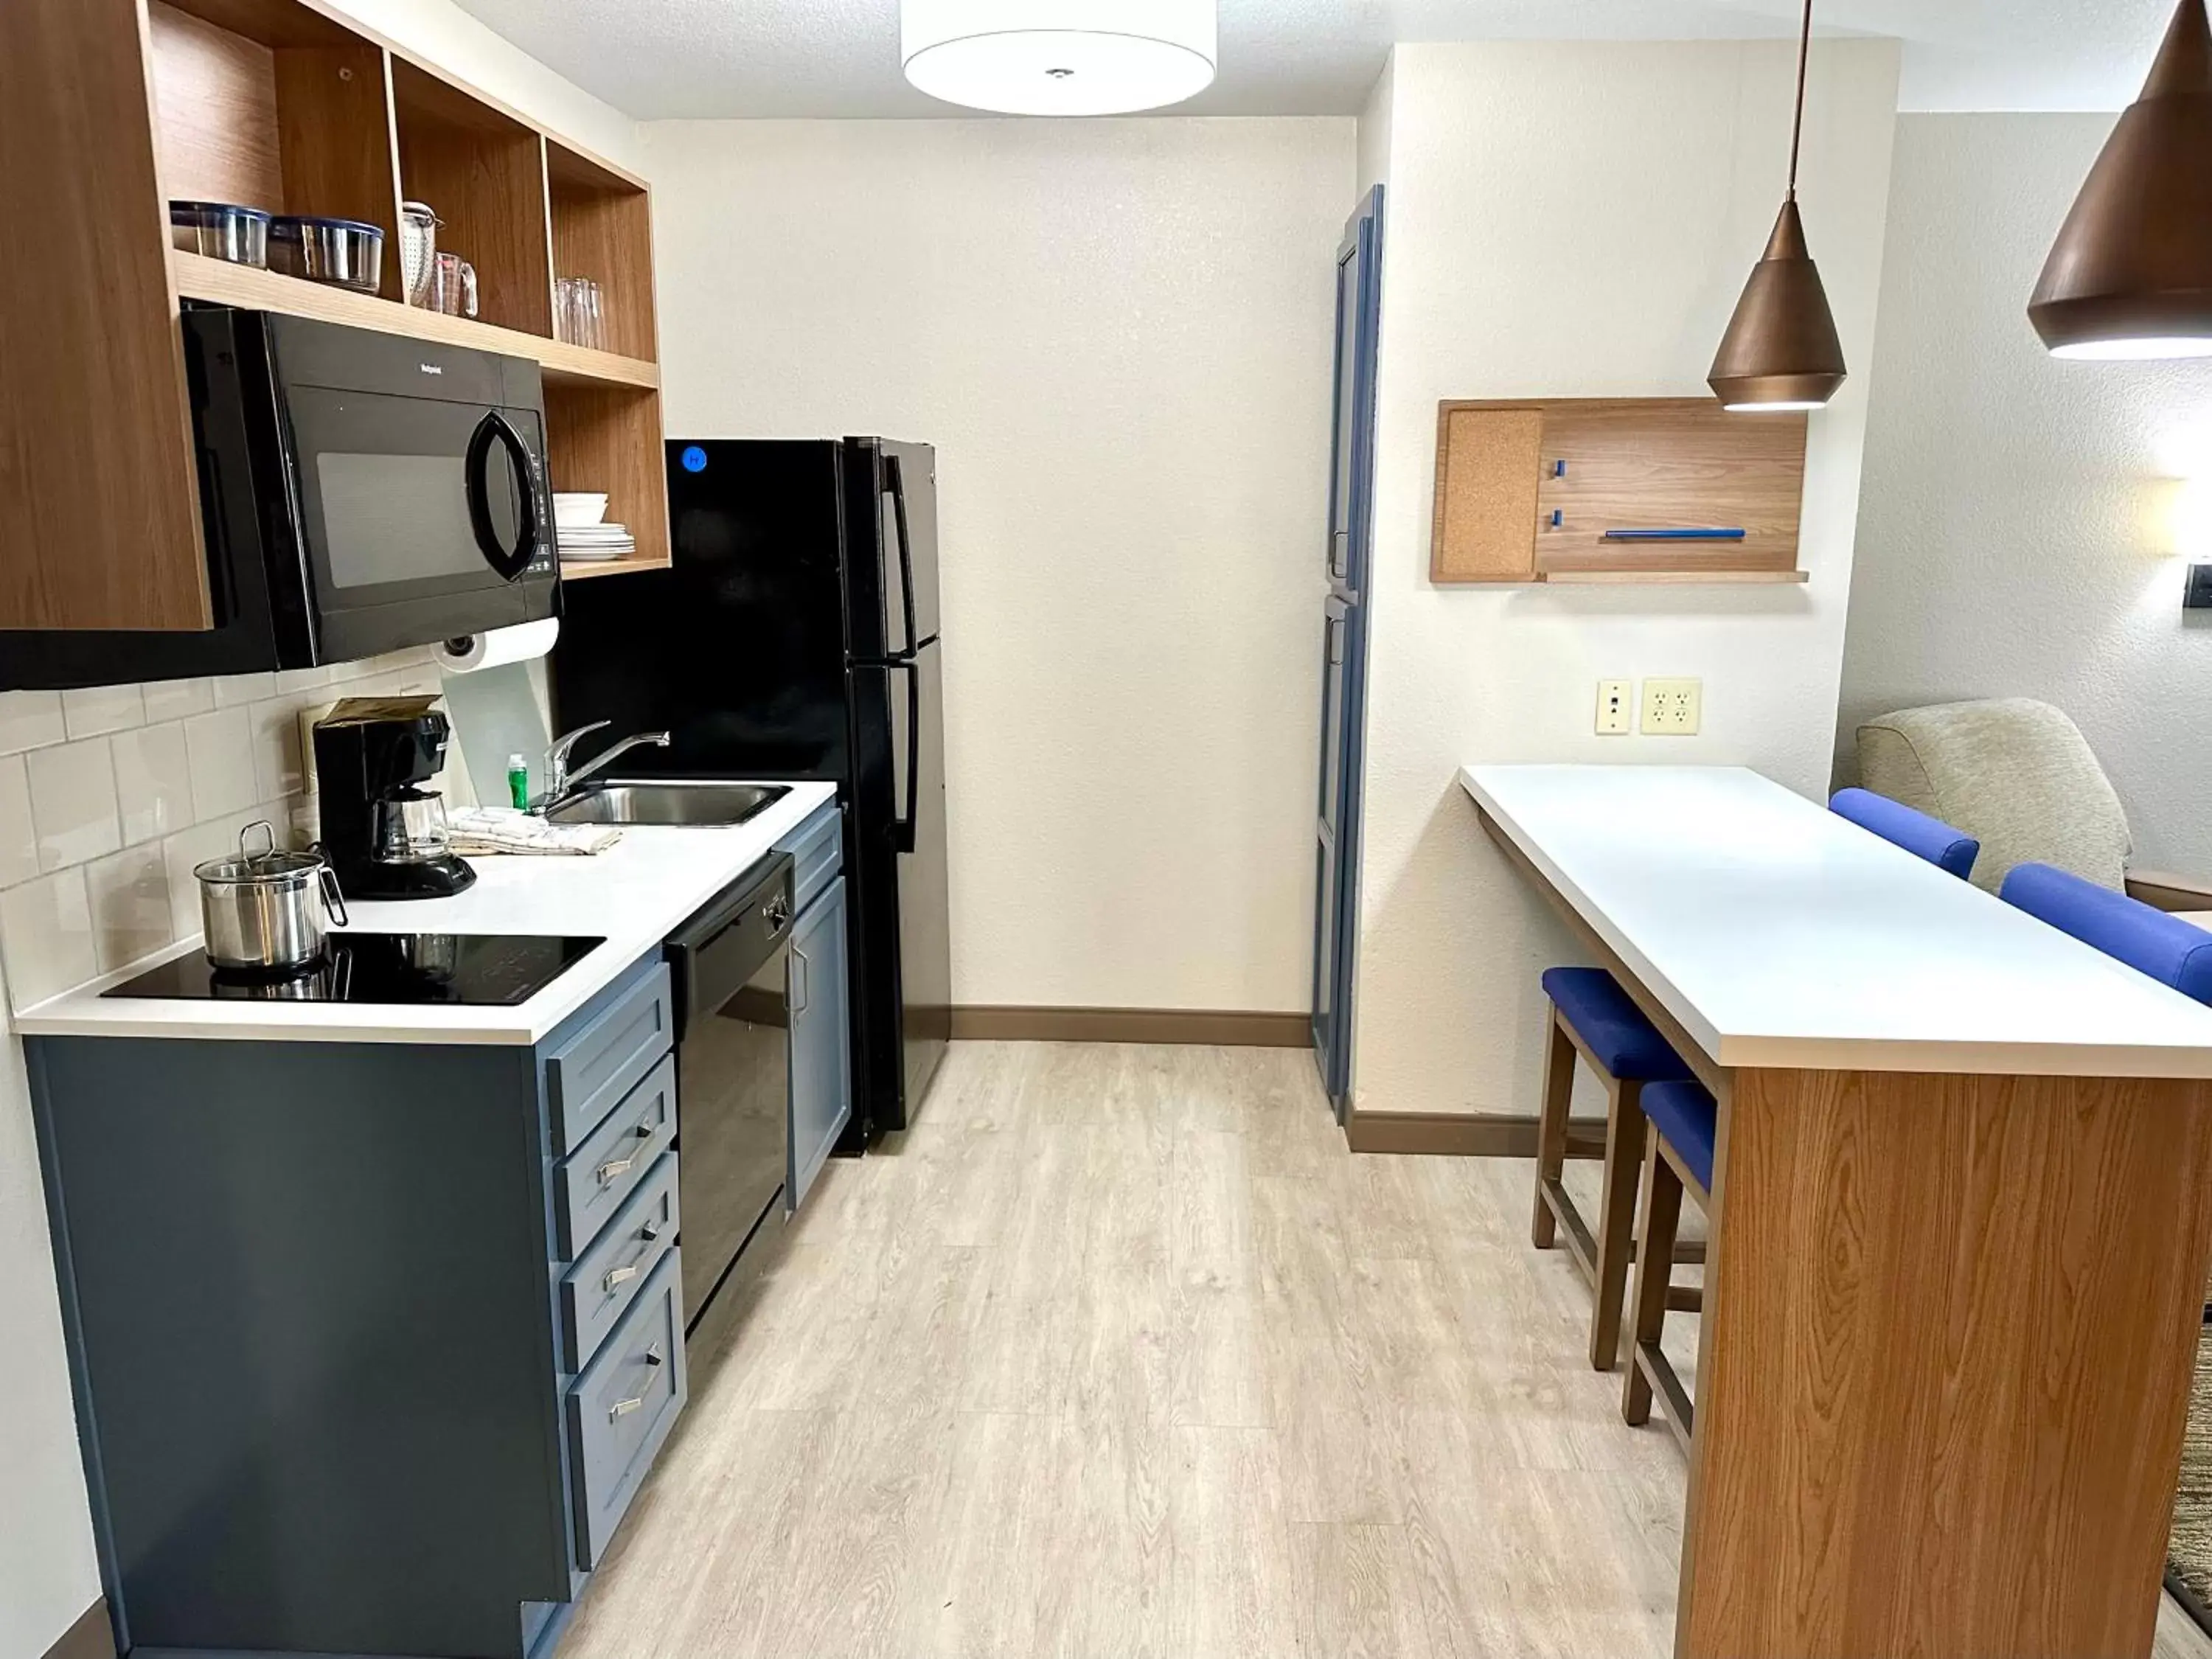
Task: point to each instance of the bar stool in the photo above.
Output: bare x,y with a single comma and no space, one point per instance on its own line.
1679,1158
2177,954
1594,1017
1949,849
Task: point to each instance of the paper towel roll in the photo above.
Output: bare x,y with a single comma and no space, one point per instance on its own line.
520,643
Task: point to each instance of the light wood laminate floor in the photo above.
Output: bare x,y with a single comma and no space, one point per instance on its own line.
1119,1351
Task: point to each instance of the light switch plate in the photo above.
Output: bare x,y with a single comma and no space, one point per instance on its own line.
1616,708
1672,707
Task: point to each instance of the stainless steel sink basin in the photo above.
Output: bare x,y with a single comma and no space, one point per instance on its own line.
666,803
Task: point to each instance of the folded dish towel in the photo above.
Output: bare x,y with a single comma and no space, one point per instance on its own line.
481,830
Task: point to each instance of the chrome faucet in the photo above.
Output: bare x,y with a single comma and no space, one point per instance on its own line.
559,779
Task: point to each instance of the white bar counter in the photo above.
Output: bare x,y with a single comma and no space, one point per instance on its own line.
1780,934
1960,1221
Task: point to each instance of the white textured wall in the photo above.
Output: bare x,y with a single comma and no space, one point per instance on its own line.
48,1575
2019,531
1117,334
1576,221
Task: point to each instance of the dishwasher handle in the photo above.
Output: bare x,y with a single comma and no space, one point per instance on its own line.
730,940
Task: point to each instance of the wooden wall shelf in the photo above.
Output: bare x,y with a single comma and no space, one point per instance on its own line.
223,284
291,106
1615,489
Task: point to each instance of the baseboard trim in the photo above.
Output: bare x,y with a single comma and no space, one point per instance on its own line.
91,1638
1421,1134
1174,1025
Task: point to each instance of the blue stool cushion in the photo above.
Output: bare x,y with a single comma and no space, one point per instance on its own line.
2171,951
1916,832
1684,1114
1611,1027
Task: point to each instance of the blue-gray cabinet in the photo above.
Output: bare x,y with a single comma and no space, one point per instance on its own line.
373,1344
821,1039
821,1001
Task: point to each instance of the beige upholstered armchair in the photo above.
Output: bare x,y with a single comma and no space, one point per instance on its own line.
2018,775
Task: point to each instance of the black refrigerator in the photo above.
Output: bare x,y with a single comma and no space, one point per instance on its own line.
796,636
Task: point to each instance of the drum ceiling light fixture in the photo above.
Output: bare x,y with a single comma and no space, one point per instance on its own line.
2130,276
1781,352
1059,57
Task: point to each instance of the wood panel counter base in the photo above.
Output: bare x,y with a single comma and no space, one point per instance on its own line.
1950,1329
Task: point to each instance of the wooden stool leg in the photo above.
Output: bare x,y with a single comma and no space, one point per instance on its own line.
1616,1219
1552,1129
1662,1208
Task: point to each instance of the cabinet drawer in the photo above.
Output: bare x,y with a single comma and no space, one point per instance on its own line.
817,854
621,1409
588,1073
609,1274
597,1178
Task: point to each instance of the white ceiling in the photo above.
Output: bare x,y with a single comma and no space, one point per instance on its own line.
666,58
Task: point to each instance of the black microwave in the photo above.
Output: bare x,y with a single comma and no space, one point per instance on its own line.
359,493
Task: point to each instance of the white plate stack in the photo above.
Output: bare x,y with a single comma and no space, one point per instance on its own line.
581,529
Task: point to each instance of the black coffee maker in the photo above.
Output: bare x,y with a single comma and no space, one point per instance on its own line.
384,833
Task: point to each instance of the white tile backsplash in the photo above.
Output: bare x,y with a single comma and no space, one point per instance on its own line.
219,748
236,690
102,709
30,719
129,896
109,796
73,802
171,700
276,771
19,840
152,781
45,937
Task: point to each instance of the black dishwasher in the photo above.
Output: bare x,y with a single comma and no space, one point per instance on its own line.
730,962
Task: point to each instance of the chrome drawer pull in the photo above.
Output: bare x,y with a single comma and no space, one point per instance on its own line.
619,1276
621,1166
650,1233
624,1407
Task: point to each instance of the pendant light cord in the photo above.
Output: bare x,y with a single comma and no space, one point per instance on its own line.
1797,125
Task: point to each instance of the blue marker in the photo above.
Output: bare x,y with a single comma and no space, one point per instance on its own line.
694,458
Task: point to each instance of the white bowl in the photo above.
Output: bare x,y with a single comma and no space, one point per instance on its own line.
573,509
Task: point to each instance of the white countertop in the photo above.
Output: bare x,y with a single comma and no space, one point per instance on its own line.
632,895
1782,935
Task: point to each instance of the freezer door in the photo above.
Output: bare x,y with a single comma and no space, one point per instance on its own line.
891,508
739,650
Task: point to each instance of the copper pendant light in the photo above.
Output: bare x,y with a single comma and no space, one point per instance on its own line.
1781,351
2132,273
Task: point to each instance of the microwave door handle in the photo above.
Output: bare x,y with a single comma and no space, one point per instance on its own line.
509,561
895,476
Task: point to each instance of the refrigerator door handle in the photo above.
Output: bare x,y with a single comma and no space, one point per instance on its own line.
895,476
903,822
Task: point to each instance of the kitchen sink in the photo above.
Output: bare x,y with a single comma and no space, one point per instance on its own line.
666,803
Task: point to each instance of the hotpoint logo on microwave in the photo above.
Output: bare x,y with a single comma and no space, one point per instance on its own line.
432,368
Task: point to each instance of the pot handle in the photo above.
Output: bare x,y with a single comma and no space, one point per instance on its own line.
332,897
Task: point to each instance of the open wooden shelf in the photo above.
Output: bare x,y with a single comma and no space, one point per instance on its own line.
219,282
290,107
576,572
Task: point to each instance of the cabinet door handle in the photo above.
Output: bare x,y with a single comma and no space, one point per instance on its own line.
621,1166
805,981
622,1408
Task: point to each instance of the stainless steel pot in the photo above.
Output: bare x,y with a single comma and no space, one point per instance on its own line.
265,912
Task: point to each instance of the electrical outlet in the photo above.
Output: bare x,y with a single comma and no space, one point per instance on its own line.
1616,708
1671,707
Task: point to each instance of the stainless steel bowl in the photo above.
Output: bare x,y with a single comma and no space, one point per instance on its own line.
266,912
344,252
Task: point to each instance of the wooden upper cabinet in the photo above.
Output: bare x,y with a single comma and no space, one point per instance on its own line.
96,466
109,109
1616,490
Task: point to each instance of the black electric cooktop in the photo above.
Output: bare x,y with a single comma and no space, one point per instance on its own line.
482,969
